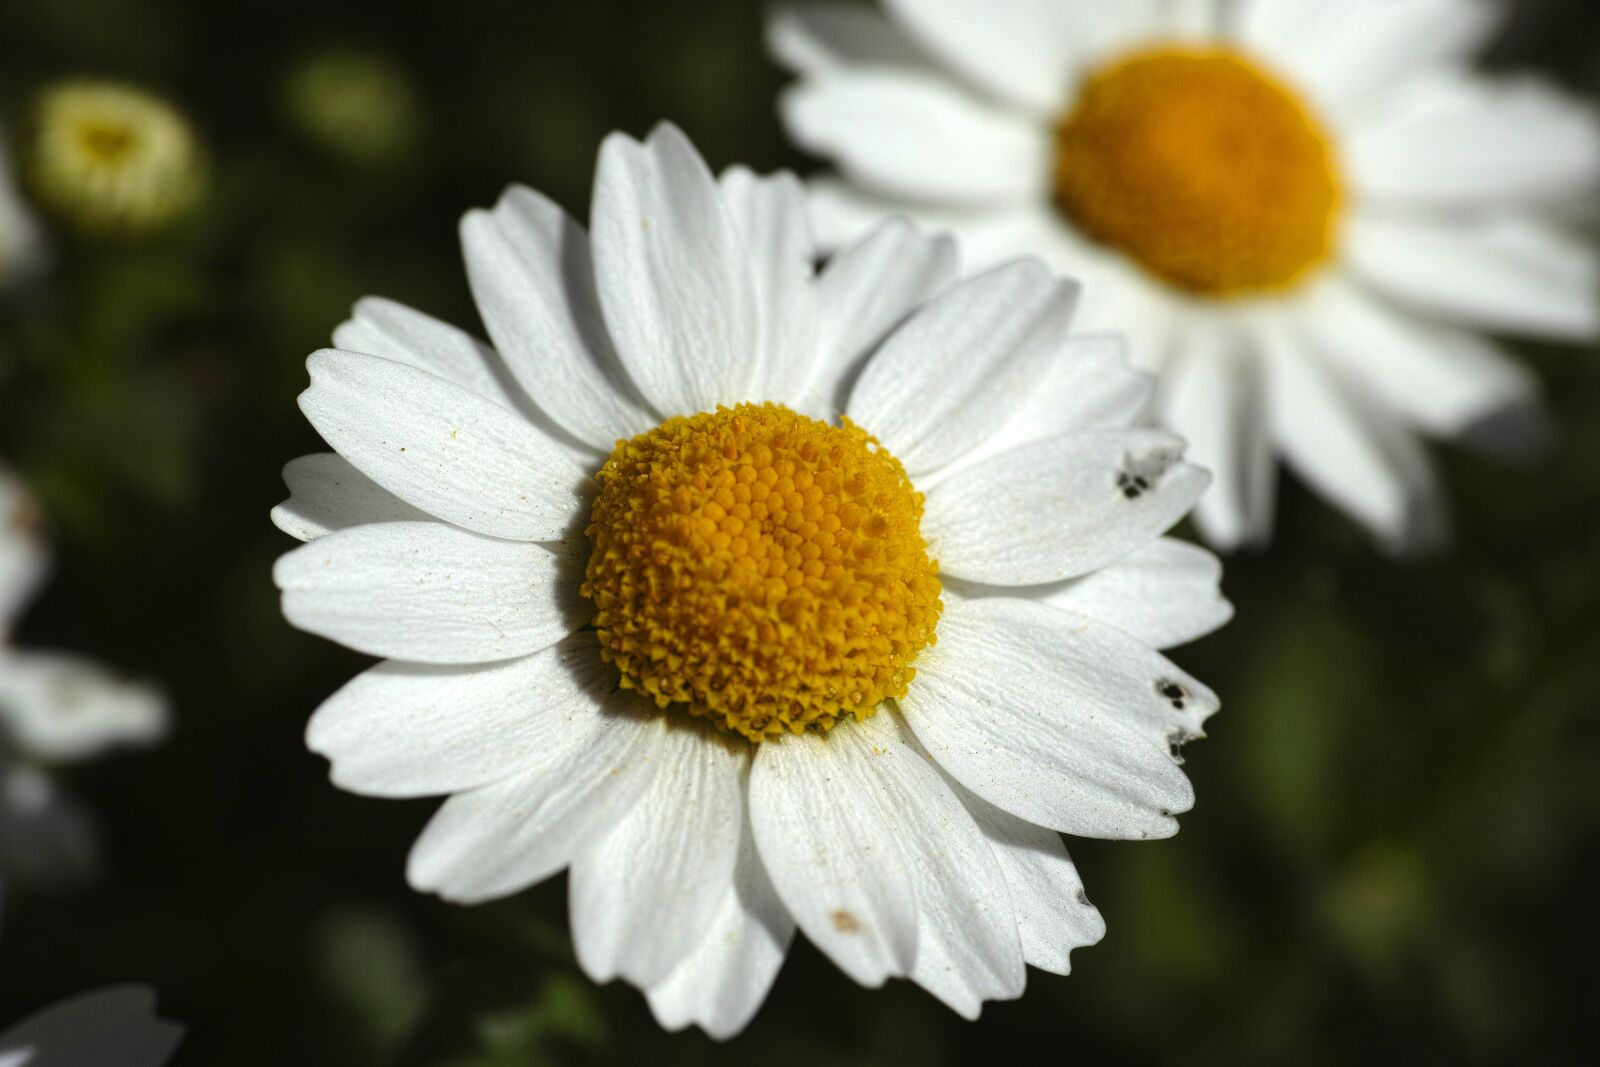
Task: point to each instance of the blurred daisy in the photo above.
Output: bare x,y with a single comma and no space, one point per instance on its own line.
1299,209
54,708
21,243
360,107
659,613
116,1026
112,157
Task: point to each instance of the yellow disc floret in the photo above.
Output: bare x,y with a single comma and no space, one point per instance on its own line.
1203,168
760,569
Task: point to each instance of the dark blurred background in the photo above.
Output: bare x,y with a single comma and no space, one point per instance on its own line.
1394,855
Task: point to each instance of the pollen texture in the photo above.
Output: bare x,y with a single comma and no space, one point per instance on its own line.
1201,167
760,569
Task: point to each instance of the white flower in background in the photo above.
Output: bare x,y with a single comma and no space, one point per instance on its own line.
115,158
1300,210
54,708
21,242
657,612
114,1027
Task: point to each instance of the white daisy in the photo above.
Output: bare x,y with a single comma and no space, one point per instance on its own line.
54,707
110,1026
1300,210
655,611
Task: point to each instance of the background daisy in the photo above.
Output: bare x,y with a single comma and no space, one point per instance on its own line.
114,158
715,673
54,708
1303,212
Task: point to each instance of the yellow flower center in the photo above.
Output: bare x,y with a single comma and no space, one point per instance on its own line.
106,143
1203,168
760,569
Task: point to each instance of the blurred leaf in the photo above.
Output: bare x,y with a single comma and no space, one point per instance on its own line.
369,965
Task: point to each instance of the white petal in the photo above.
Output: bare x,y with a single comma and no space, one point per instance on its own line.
1117,297
833,855
676,287
500,839
1440,379
1060,508
48,839
842,214
428,592
442,449
914,136
1344,51
1325,438
115,1026
866,290
643,896
533,280
1451,138
24,561
1202,20
1428,523
1053,914
1019,50
719,986
327,493
771,215
964,364
1165,594
1119,27
65,707
1428,526
411,729
1091,386
1057,719
1132,305
1507,274
817,35
380,327
1087,386
968,950
1212,395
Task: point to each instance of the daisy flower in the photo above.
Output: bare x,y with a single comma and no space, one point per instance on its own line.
54,708
114,158
758,597
357,106
111,1026
1304,212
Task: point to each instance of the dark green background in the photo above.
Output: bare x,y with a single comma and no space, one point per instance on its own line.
1394,852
